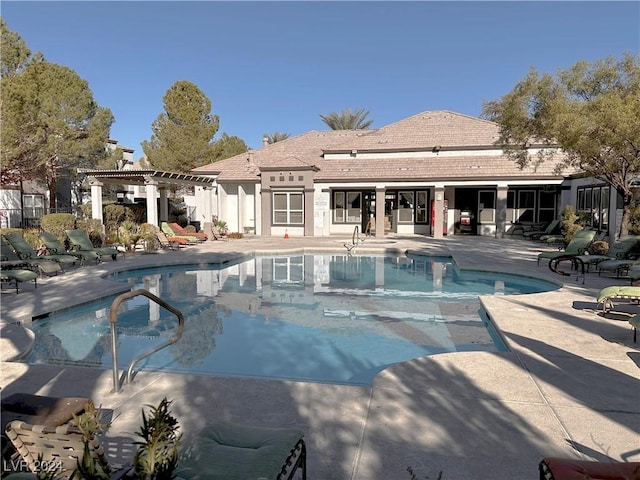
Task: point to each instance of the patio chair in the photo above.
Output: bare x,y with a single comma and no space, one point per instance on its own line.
221,451
170,243
577,246
61,446
607,295
214,232
55,246
553,468
617,256
80,242
550,229
168,231
11,260
224,450
26,251
18,275
178,230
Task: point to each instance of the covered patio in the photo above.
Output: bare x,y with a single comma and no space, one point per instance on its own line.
156,185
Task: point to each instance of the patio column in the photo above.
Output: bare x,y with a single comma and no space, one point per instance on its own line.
438,212
164,207
96,198
501,210
152,200
380,198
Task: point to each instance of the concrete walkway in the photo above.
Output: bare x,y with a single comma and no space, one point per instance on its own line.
569,386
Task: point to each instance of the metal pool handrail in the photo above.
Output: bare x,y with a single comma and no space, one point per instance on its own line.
113,320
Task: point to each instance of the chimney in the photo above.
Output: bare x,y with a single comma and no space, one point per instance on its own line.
250,158
265,141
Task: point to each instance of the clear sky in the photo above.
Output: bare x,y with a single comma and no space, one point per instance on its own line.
276,66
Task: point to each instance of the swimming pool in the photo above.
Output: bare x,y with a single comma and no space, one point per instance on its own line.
319,317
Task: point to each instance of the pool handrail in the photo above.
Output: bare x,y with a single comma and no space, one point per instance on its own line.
113,320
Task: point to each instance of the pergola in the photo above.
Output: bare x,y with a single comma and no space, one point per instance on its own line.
155,182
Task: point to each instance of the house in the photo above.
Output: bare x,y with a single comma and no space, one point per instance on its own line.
435,173
22,205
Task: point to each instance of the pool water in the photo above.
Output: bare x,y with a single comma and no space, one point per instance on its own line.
323,317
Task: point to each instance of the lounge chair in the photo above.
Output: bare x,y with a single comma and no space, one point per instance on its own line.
55,246
80,241
11,260
170,243
214,232
577,246
221,451
607,295
617,256
18,275
553,468
551,229
62,446
26,251
224,450
168,231
181,232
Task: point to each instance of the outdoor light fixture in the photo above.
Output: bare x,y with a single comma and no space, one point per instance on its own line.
437,148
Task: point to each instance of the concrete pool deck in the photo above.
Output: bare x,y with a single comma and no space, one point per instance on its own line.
569,386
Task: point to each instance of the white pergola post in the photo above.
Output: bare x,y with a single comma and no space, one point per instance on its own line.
152,200
96,198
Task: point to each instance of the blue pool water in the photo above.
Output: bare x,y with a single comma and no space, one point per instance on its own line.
323,317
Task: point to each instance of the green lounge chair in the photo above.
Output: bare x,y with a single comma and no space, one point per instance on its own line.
10,259
617,292
549,230
619,251
55,246
80,242
577,246
26,251
18,275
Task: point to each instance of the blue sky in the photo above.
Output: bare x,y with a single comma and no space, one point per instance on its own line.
276,66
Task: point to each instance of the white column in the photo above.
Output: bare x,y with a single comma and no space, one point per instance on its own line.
152,200
96,199
438,212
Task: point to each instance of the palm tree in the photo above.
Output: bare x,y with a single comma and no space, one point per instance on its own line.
274,137
347,120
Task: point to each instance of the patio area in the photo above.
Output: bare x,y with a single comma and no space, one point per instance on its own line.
569,386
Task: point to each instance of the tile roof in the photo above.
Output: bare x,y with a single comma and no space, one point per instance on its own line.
426,130
420,132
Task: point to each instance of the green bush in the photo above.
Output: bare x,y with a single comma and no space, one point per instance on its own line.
58,224
570,223
93,227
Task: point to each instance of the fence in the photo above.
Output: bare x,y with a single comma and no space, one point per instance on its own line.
27,217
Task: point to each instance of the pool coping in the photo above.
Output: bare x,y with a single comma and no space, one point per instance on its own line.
543,386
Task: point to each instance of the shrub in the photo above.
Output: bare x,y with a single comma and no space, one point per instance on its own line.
156,456
93,227
598,248
570,223
58,224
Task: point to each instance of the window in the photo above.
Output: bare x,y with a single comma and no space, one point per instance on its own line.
487,206
546,206
33,206
593,205
405,207
347,207
421,207
526,206
288,208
